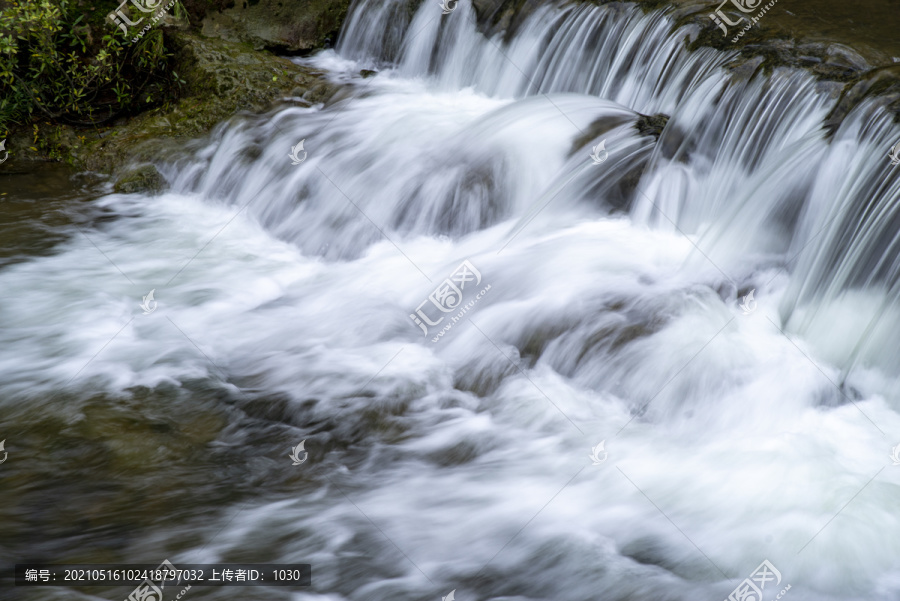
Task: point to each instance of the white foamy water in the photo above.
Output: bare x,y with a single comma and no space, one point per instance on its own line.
612,315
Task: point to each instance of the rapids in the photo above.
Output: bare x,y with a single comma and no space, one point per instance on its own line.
611,312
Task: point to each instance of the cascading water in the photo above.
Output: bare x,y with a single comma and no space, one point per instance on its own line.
288,299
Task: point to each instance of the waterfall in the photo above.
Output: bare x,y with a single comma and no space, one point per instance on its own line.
578,280
614,52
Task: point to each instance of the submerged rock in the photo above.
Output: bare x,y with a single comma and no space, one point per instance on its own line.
142,178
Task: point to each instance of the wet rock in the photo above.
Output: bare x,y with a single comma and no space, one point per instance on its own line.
651,125
882,85
506,16
597,128
744,69
143,178
850,74
278,25
318,93
494,16
366,73
221,79
839,63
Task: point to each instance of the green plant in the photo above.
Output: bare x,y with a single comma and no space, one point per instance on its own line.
58,65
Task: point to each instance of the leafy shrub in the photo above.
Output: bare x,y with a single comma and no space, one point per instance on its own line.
72,66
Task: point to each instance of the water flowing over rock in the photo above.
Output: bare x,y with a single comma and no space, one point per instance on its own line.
560,311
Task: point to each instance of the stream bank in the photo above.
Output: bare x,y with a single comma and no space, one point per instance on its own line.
226,53
222,78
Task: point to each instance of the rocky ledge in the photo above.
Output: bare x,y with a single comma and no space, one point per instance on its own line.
854,49
220,78
283,26
228,63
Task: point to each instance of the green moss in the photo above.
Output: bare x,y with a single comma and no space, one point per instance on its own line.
143,178
651,125
282,27
221,78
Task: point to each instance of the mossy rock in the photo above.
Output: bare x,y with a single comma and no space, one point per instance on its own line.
221,78
286,26
143,178
651,125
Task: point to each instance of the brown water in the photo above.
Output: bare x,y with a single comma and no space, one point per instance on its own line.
37,200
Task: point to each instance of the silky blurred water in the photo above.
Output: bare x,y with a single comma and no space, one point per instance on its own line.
284,299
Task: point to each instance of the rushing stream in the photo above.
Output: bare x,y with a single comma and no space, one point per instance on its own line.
604,300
